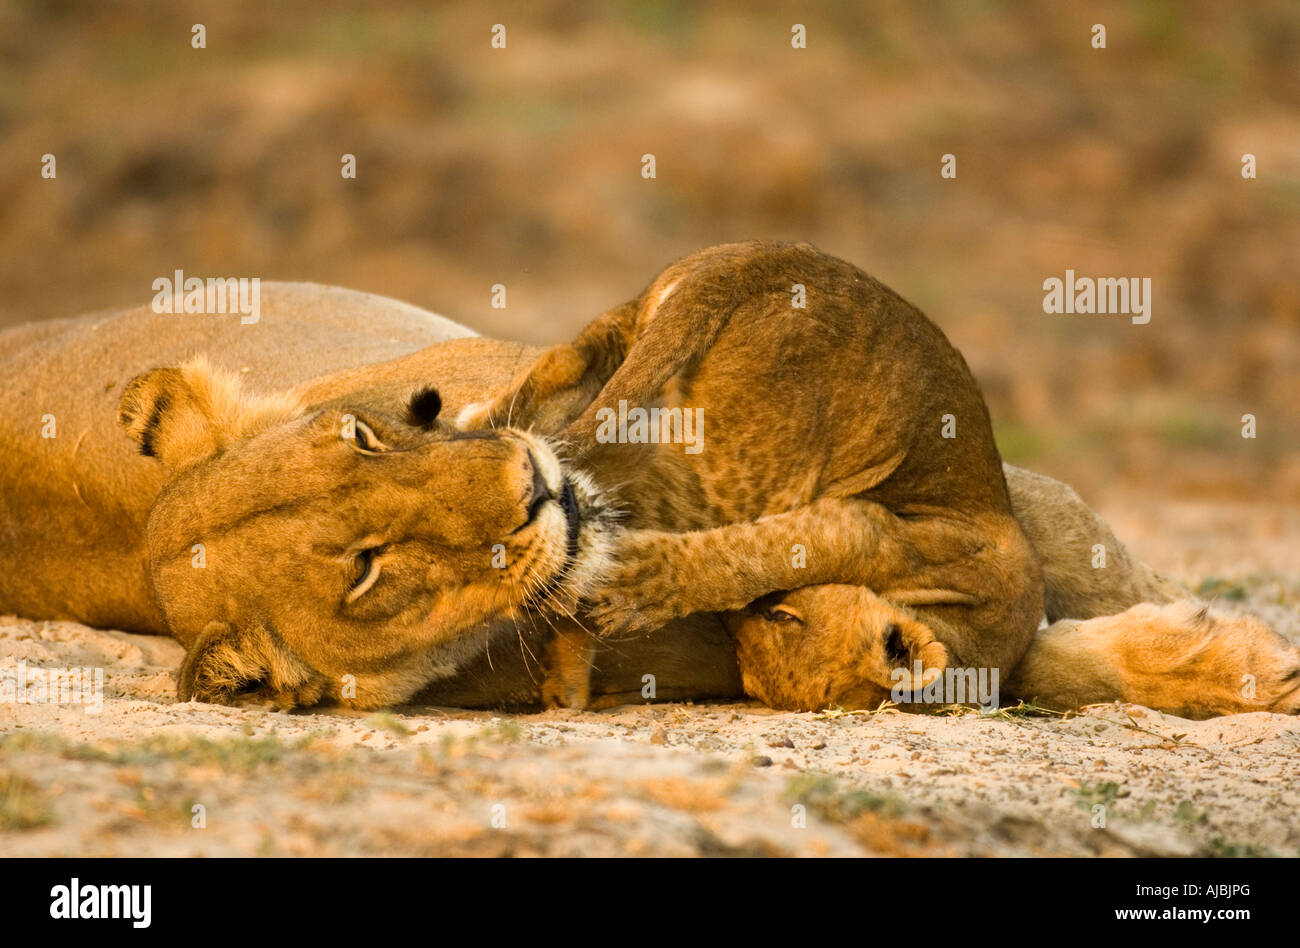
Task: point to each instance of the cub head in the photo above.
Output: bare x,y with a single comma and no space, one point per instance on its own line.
347,552
824,646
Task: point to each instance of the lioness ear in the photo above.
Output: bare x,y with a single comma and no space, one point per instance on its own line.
185,414
226,665
423,408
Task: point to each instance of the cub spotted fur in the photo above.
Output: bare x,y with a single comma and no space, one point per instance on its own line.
827,441
830,455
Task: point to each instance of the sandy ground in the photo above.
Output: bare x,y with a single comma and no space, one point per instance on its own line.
148,776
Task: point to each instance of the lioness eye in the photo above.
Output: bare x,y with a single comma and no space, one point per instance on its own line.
366,439
781,614
363,571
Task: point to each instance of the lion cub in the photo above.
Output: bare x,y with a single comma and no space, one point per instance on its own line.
827,459
850,458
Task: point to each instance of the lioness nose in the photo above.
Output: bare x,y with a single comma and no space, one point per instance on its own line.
541,492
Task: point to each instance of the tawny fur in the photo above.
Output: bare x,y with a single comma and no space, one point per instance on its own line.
278,500
921,524
825,435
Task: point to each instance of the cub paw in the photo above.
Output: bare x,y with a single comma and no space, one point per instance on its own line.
558,693
646,590
615,615
474,416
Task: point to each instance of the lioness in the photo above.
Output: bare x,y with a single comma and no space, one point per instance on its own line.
76,497
336,539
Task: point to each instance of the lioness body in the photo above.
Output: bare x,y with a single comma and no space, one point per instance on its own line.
75,494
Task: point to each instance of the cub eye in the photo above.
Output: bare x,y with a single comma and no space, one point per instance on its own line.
364,572
781,614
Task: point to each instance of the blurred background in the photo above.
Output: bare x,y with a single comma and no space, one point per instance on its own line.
522,166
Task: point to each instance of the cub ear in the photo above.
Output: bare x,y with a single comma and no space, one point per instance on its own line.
229,665
185,414
908,642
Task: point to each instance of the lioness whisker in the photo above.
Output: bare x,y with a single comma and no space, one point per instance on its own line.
525,652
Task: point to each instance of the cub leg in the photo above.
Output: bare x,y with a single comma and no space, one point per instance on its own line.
660,576
1178,658
563,391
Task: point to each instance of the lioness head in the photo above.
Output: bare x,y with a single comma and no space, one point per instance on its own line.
822,646
351,551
